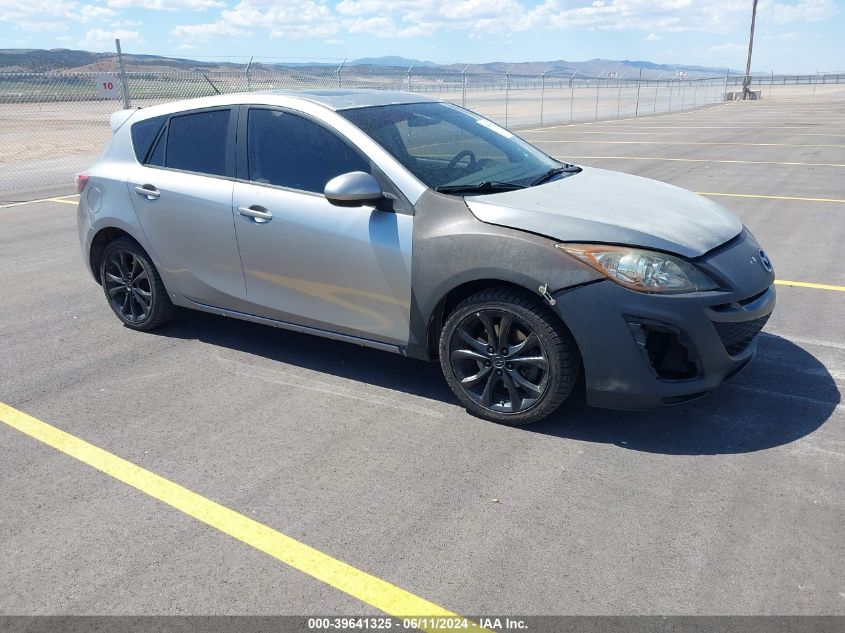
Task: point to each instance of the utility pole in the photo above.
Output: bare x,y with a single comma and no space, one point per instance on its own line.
746,90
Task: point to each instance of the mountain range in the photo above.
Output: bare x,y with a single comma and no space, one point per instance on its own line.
43,60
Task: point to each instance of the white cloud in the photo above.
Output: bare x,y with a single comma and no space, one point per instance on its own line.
167,5
191,32
803,11
94,12
307,18
728,47
102,40
50,15
653,37
419,18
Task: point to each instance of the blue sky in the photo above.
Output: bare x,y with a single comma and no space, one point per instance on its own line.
792,35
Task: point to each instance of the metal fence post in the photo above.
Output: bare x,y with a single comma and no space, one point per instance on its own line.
339,70
571,94
246,74
542,93
464,86
695,94
124,87
671,89
725,92
507,92
619,96
637,107
409,76
656,93
598,80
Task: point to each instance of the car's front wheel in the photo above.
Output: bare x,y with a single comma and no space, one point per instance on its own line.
133,287
507,357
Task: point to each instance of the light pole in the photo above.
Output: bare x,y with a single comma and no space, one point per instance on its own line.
747,81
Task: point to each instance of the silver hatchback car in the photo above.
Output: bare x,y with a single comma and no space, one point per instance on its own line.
414,226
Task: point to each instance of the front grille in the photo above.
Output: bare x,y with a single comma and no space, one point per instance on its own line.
737,335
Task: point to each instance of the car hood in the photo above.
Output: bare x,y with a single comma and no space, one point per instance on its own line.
597,205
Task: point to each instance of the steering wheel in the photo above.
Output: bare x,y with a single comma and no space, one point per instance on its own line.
461,155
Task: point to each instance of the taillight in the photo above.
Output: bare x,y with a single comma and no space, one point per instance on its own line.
81,181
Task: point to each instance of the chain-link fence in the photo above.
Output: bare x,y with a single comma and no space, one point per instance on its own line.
53,125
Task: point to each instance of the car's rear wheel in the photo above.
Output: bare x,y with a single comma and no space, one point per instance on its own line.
133,287
507,357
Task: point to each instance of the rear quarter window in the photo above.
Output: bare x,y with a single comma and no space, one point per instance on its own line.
144,134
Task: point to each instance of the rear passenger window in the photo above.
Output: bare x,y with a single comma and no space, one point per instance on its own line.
291,151
197,142
143,135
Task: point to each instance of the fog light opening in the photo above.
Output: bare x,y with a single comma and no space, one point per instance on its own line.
665,350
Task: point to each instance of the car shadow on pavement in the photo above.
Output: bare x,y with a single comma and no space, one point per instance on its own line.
783,395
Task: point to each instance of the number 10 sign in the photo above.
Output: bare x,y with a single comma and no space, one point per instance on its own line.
107,86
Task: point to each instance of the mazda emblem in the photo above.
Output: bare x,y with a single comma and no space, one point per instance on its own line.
764,260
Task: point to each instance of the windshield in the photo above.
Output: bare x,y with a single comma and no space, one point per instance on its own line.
453,150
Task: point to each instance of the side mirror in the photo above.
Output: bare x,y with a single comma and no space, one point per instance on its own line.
355,189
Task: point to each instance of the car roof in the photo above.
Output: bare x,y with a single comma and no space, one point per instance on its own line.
344,99
334,100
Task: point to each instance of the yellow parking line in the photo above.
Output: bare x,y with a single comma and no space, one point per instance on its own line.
591,142
805,284
710,160
754,195
56,199
373,591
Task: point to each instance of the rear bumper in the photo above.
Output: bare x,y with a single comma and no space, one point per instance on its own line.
642,351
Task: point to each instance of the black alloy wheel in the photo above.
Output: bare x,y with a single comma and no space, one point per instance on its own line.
499,361
133,287
127,283
507,357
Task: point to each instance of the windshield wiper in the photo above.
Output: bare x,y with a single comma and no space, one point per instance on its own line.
564,169
485,186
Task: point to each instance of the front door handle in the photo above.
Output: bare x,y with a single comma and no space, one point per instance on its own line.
257,213
148,191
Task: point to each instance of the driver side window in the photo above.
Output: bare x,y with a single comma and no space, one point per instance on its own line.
291,151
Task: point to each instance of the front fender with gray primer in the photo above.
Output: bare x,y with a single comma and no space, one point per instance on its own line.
452,247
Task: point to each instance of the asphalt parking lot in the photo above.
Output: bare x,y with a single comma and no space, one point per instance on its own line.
733,504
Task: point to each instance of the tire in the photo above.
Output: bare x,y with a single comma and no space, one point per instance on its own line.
133,287
520,379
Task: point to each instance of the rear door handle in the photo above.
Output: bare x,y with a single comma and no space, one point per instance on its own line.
257,213
148,191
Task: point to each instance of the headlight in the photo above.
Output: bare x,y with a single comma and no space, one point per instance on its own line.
641,270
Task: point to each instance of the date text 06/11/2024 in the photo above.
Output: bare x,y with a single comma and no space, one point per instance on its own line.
420,623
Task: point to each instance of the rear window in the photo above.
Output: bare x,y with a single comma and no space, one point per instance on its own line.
144,133
197,142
